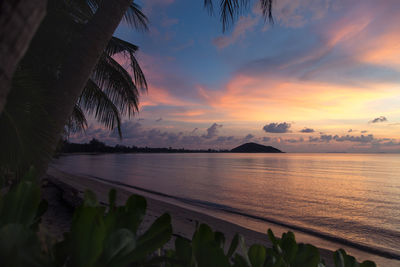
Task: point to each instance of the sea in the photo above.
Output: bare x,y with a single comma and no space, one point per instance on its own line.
331,200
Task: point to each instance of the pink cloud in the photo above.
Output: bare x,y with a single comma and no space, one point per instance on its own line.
296,13
168,22
243,25
149,5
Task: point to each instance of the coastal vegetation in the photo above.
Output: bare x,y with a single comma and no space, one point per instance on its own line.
96,146
111,236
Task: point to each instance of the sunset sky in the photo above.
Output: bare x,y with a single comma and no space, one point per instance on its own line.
325,77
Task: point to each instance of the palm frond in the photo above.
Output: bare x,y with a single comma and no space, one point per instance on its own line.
117,84
266,7
96,102
83,10
138,75
208,4
116,46
136,18
230,10
128,50
77,122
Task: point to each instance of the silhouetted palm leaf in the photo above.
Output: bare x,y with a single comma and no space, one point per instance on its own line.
135,17
77,122
97,103
116,46
230,10
117,84
128,50
83,10
266,7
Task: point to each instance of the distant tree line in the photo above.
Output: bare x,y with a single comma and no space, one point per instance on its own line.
96,146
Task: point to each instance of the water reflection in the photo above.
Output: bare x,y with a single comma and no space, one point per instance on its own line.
354,196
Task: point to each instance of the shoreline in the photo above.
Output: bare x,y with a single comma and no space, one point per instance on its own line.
184,218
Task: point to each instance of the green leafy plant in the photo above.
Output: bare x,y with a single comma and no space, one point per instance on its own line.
101,237
20,211
342,259
207,249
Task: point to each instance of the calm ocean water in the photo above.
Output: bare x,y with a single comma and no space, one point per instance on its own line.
353,199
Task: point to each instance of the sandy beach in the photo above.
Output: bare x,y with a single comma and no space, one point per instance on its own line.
64,191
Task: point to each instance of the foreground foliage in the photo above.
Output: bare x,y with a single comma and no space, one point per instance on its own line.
111,236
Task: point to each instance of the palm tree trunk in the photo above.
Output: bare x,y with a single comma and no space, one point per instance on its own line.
85,53
19,21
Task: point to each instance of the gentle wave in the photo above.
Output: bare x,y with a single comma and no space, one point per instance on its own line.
351,199
232,210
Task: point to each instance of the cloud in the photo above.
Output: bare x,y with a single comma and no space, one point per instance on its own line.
326,138
167,84
359,139
151,5
223,139
379,119
391,143
266,139
243,25
277,127
248,137
212,131
307,130
137,134
327,72
294,140
364,131
168,22
296,13
345,138
313,139
158,120
185,45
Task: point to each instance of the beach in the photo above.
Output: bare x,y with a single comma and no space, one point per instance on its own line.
64,191
184,220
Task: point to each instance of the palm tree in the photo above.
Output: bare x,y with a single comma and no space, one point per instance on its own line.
110,92
18,23
78,64
78,58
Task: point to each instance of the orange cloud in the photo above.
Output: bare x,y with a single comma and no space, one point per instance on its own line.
160,96
370,34
249,98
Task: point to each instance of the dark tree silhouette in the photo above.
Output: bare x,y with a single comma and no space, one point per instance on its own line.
18,23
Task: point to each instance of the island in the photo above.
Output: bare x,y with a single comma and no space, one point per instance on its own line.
255,148
97,147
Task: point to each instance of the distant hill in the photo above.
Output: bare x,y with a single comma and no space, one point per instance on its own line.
255,148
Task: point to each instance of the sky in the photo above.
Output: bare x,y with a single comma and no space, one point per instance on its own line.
325,77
